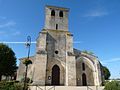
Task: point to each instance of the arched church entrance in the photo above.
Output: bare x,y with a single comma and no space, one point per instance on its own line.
84,80
55,75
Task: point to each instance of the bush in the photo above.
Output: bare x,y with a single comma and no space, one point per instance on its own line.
105,82
10,86
113,85
18,86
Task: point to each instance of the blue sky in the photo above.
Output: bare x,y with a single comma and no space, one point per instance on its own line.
95,24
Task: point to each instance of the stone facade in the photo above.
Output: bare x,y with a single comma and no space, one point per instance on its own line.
56,62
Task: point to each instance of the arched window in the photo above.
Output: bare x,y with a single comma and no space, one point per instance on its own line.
61,14
84,79
83,66
53,13
56,26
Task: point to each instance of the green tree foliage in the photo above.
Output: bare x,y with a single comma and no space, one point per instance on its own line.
113,85
106,73
88,52
7,61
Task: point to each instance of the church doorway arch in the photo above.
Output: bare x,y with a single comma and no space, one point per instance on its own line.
55,75
84,80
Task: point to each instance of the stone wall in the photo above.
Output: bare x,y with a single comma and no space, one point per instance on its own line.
21,69
40,60
56,54
88,72
92,69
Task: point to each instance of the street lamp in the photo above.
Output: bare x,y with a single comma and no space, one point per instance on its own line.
27,61
28,43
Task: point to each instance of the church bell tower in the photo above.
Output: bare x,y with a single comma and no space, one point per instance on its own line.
54,50
56,18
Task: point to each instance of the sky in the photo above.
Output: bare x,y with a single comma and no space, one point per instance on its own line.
95,25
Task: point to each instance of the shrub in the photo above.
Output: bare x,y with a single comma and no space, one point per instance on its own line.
18,86
10,86
105,82
113,85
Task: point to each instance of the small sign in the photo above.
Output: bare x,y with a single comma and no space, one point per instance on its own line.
49,77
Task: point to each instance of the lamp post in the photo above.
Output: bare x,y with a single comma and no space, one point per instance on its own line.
27,61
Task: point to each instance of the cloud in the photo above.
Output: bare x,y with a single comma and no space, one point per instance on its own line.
97,11
96,14
8,27
77,42
33,42
10,33
111,60
7,24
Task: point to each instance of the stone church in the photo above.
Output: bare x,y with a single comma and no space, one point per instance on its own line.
56,62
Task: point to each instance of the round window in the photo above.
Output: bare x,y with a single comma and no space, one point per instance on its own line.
56,52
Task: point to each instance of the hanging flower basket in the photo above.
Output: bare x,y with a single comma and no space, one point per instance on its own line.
27,62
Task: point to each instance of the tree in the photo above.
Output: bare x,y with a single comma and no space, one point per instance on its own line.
88,52
106,73
7,61
113,85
